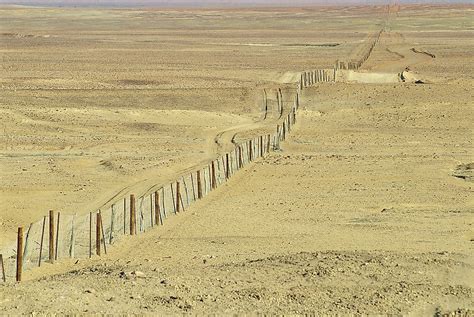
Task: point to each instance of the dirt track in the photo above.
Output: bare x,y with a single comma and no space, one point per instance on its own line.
360,213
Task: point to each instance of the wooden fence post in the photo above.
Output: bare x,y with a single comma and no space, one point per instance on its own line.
19,254
251,150
210,177
173,200
125,215
90,234
25,243
199,184
57,238
97,234
103,232
213,176
152,217
241,161
181,200
177,197
158,219
72,245
192,185
4,278
51,236
133,219
268,143
41,242
265,102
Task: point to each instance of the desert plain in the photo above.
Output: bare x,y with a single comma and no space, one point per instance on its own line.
367,207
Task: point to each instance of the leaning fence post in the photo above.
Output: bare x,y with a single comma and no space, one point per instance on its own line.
73,238
133,220
103,232
173,198
19,254
199,184
158,219
41,242
192,186
186,190
51,236
181,200
25,247
163,205
210,176
4,278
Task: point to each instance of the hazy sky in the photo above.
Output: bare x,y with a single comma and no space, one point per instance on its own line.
200,3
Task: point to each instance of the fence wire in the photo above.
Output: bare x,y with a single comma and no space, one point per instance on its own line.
81,236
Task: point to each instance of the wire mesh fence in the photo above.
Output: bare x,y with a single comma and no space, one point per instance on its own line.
59,235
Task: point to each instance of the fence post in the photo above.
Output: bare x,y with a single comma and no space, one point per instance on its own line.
192,185
57,238
199,184
177,197
4,278
73,238
268,143
97,234
227,168
133,220
163,205
19,254
213,176
158,219
125,215
251,150
51,236
101,227
241,161
41,242
90,234
152,217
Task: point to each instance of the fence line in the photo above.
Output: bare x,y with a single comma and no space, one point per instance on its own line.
73,236
355,64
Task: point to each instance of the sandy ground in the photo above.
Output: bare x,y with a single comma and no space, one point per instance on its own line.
367,209
97,103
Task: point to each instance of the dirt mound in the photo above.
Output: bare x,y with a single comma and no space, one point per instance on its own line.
464,171
351,76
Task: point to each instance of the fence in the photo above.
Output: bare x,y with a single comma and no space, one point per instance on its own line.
59,235
356,64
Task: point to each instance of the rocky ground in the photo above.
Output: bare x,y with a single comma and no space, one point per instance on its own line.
367,209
